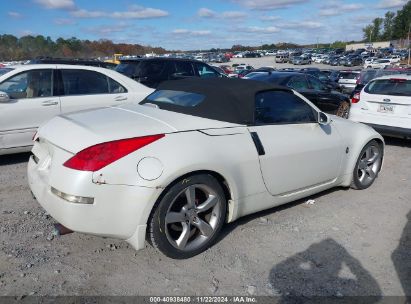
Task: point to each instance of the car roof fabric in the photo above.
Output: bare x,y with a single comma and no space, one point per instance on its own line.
226,99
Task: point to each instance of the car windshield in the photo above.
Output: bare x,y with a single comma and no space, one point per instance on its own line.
179,98
392,86
367,75
5,70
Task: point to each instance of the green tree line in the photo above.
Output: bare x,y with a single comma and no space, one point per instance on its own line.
392,26
29,47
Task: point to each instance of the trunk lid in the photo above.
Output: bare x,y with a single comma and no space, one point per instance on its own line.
77,131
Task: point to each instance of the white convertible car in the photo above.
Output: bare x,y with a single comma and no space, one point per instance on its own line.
193,155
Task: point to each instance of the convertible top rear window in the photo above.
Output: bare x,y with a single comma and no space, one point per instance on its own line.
179,98
223,99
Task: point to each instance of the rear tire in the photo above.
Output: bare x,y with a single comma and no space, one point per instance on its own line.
343,110
189,217
368,166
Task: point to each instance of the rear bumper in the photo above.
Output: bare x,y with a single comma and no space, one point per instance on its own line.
118,211
345,87
388,130
394,126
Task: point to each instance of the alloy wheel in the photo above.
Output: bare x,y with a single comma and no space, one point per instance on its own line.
192,218
369,165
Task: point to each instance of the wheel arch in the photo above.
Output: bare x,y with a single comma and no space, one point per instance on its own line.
356,152
218,176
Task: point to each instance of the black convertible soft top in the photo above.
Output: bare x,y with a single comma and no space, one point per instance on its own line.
226,99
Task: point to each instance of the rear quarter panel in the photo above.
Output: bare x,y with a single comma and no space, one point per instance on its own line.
233,156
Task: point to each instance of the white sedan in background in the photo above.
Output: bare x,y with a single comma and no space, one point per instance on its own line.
32,94
193,155
378,64
385,104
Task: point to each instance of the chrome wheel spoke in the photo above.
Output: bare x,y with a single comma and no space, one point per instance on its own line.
362,177
208,204
190,196
185,235
371,173
204,227
368,153
175,217
373,158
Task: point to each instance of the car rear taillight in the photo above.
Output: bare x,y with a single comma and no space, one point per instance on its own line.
98,156
355,98
398,80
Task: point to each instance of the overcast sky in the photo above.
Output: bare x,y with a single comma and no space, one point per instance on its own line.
194,24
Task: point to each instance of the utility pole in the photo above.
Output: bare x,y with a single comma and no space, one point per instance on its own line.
317,43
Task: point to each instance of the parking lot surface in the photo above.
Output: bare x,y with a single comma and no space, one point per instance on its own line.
347,243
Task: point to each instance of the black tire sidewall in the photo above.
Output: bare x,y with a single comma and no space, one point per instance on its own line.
157,223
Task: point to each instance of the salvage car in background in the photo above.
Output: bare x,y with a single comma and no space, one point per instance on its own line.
33,94
153,71
323,97
385,104
299,60
193,155
378,64
348,80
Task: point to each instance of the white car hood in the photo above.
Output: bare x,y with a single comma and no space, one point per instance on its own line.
79,130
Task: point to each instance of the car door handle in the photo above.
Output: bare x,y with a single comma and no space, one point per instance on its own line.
49,103
120,98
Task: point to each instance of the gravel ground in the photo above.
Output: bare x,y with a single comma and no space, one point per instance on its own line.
347,243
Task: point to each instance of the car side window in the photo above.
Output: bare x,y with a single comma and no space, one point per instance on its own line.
298,83
30,84
315,84
84,82
205,71
183,68
115,87
151,68
281,107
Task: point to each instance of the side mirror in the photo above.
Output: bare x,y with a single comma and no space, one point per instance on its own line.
323,119
4,97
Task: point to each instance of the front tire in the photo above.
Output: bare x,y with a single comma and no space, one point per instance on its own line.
189,217
368,166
